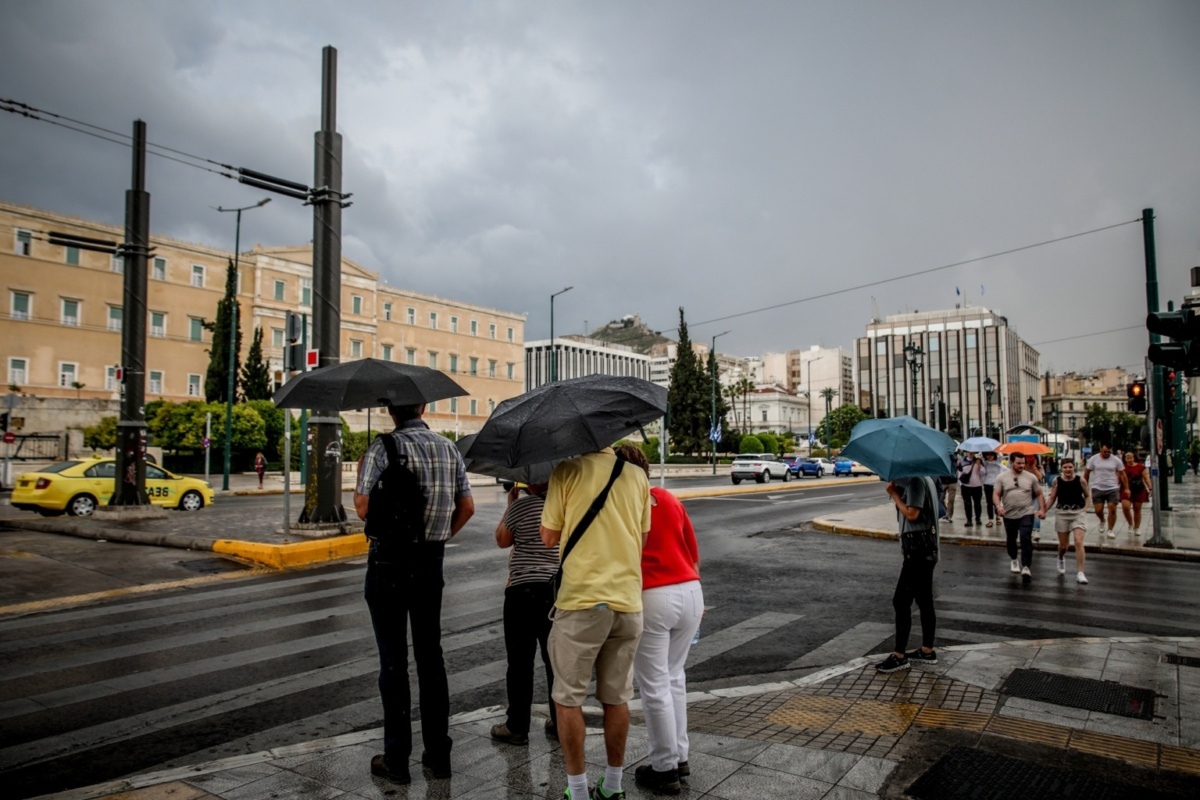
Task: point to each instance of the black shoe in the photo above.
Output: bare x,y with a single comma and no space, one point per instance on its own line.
381,768
661,782
921,657
969,524
684,769
551,728
440,767
501,733
892,664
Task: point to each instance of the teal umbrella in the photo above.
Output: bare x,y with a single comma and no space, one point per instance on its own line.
900,447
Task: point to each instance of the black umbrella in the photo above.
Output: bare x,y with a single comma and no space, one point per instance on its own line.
563,419
530,473
366,383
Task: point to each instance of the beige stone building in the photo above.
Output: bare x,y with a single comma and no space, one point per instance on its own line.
60,330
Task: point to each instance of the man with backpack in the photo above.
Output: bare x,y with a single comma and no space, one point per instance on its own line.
413,492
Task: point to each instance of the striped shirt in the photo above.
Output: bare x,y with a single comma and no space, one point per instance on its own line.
438,466
530,561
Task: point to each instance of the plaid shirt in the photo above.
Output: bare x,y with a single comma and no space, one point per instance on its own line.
438,466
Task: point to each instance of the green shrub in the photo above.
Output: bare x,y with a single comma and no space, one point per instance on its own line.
750,444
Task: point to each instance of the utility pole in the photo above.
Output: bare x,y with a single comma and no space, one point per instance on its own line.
323,492
712,432
130,487
1159,391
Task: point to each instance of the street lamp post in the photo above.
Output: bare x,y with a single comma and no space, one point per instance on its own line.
937,407
808,388
553,346
233,328
989,386
828,393
712,361
912,355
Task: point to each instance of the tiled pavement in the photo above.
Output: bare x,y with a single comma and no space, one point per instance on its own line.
844,733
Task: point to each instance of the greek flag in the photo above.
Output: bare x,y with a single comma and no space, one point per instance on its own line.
715,433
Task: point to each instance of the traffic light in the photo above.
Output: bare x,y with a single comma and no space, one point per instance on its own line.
1172,391
1183,328
1136,392
3,420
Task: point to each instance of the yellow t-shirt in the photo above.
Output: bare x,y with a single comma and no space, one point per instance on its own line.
606,564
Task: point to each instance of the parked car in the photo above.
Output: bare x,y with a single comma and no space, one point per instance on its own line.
792,462
809,466
859,468
758,466
826,465
78,487
843,466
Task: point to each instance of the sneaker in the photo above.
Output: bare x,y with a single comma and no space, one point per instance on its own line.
1080,577
440,767
969,524
1037,537
1062,565
599,793
660,782
921,657
501,733
1112,534
684,769
948,520
1136,532
382,769
892,664
1014,566
1026,575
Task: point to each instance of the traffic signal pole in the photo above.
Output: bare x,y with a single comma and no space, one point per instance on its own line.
1155,376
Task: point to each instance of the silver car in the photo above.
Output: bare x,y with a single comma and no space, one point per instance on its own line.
759,466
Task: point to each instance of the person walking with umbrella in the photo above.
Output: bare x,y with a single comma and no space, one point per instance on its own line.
1019,500
916,512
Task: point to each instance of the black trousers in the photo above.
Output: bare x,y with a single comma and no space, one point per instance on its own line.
404,584
1020,527
916,583
973,502
990,497
526,630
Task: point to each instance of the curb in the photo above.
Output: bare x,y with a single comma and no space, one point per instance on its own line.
296,554
796,484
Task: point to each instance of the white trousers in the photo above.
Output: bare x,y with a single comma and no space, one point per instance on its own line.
670,617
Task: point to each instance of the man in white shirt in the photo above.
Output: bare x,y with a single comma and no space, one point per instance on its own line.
1105,474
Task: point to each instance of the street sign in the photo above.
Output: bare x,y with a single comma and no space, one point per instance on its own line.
312,359
206,442
9,437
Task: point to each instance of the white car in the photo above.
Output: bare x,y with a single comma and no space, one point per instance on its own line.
759,466
826,465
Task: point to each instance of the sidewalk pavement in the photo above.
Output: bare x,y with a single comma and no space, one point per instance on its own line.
846,732
1180,527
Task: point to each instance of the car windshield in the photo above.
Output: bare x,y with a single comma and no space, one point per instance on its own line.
61,466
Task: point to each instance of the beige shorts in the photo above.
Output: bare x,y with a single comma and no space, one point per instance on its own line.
1067,521
594,637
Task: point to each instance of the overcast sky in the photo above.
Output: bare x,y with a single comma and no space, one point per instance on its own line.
718,156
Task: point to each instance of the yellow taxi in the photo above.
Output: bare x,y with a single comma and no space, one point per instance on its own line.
78,487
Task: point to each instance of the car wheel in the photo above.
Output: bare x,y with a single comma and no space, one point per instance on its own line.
81,505
820,473
787,475
736,481
191,501
764,476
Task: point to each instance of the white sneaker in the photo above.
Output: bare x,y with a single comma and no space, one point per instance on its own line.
1026,575
1062,565
1016,566
1037,537
1136,532
1079,576
1112,534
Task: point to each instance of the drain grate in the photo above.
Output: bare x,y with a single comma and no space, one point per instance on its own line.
1183,661
1086,693
984,775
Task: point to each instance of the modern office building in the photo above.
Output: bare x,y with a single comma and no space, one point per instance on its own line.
964,365
579,356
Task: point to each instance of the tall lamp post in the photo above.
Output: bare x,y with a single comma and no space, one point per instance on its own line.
553,346
712,360
233,328
989,386
912,355
808,387
936,394
828,393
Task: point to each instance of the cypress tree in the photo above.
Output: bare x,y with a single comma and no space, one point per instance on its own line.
216,379
256,378
686,398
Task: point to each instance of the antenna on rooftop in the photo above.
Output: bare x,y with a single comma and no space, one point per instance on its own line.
875,311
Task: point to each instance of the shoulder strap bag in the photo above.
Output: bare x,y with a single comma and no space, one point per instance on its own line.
585,522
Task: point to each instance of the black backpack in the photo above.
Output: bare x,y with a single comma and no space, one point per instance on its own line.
396,508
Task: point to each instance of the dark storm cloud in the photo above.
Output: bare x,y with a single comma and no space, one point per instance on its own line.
719,157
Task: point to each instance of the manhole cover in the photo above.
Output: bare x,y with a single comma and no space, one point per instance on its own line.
1183,661
1086,693
984,775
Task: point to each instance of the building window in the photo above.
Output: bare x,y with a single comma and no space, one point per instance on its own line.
116,316
492,330
474,370
454,324
195,329
411,355
193,385
474,328
279,290
433,360
117,265
764,415
198,275
24,244
511,371
387,352
72,256
433,320
433,407
355,348
70,312
453,364
387,312
306,291
474,406
510,334
491,368
66,373
22,302
277,337
491,406
110,378
411,316
158,324
155,384
159,271
356,304
16,371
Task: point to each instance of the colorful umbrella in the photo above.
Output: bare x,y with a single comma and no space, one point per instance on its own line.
1025,448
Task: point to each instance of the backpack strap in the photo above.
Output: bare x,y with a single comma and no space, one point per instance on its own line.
389,446
587,519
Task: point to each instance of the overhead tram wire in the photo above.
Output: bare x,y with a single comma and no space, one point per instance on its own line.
1086,335
918,273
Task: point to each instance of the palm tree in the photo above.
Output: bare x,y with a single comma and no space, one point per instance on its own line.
745,386
732,392
828,393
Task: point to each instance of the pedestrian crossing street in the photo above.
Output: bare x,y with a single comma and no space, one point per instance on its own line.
92,693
